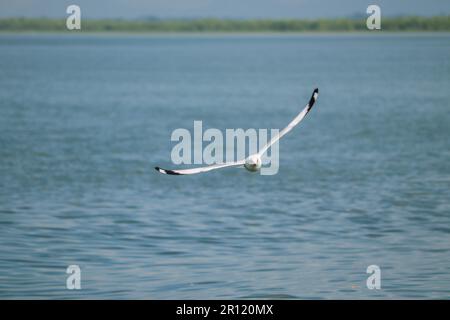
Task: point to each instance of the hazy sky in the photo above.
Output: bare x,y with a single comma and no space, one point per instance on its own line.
220,8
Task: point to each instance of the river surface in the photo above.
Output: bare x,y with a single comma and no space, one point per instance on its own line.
363,180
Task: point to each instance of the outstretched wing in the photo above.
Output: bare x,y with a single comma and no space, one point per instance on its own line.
201,169
293,123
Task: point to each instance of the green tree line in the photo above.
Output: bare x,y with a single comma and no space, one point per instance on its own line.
438,23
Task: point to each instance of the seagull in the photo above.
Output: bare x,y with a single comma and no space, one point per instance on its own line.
253,162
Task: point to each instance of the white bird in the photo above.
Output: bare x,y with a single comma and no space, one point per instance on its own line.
252,162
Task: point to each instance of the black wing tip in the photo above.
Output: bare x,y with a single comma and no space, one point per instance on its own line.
164,171
313,98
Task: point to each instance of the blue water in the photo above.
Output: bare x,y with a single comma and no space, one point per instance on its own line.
363,180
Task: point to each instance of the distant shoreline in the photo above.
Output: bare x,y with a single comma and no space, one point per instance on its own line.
226,26
225,34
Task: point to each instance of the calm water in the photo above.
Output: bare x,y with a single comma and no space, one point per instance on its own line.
364,180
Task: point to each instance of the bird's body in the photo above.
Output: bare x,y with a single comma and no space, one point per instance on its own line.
252,163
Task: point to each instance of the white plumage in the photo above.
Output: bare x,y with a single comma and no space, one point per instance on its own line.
252,162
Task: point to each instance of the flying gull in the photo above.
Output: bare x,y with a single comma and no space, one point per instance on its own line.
252,162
